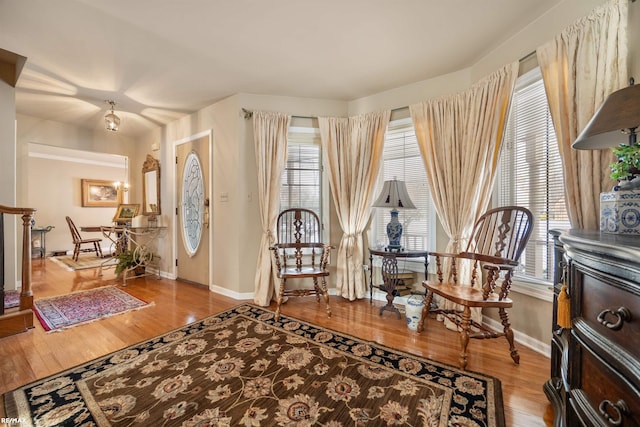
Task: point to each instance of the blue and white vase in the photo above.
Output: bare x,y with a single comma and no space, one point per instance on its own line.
413,311
394,231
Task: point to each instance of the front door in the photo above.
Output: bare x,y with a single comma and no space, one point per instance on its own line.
193,172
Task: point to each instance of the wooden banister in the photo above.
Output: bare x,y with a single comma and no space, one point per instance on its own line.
19,320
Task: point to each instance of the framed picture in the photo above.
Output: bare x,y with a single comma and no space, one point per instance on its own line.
126,212
98,193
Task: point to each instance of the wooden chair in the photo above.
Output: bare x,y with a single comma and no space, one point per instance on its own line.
78,241
299,253
498,240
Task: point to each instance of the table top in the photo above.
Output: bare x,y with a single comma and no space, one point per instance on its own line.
99,228
43,229
400,254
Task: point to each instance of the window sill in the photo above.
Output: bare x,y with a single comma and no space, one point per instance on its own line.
533,288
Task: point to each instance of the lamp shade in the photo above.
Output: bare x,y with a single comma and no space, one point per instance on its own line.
620,112
394,195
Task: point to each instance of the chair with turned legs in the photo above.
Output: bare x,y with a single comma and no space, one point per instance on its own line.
299,254
499,239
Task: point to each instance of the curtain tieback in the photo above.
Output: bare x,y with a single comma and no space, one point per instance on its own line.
350,242
270,237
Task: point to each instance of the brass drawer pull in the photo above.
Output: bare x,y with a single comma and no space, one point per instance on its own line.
620,409
622,315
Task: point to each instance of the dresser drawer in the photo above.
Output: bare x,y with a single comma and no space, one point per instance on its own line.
610,308
600,395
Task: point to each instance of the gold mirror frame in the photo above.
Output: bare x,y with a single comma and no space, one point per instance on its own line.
151,186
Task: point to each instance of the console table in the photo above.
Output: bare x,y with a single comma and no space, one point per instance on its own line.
40,249
140,240
389,285
595,362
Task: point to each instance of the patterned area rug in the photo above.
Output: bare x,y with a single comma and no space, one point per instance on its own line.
241,368
11,299
84,262
81,307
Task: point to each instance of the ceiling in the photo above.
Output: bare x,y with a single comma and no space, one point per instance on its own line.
162,59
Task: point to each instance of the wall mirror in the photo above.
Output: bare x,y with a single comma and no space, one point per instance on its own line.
151,186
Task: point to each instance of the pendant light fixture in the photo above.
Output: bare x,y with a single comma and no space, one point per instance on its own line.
110,119
124,185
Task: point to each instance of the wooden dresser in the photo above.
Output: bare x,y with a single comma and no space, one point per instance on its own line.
595,364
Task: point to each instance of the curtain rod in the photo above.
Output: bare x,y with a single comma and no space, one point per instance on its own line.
527,56
249,114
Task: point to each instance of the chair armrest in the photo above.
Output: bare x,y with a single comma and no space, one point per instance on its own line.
324,260
498,261
442,254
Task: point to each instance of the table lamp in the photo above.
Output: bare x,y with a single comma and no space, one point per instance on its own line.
394,195
618,114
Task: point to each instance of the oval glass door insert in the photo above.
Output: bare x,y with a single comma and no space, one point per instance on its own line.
192,203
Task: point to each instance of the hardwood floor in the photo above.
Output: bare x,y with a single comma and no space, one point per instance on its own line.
35,354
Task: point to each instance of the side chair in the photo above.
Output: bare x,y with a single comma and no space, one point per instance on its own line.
78,241
299,253
498,241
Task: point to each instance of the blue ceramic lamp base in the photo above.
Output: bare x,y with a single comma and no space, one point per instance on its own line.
394,233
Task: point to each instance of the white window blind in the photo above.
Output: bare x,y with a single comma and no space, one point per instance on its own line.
530,172
302,178
402,160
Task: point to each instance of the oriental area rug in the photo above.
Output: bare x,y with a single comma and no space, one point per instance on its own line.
242,368
77,308
84,262
11,299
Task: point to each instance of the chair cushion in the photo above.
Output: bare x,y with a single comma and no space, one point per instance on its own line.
466,295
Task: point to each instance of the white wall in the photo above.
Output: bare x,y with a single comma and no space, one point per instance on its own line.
236,220
53,187
57,198
12,247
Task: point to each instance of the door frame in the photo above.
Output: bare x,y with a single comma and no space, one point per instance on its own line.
177,239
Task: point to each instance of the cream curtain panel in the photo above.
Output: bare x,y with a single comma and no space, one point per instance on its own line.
270,137
460,138
580,67
353,153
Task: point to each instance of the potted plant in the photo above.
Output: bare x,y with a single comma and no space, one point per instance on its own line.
130,259
627,169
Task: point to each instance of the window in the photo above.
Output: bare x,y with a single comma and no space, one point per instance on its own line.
402,160
302,183
530,173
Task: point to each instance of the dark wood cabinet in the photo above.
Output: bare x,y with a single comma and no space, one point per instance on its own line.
595,364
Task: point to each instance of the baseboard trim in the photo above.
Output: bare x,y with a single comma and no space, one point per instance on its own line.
521,338
527,341
231,294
